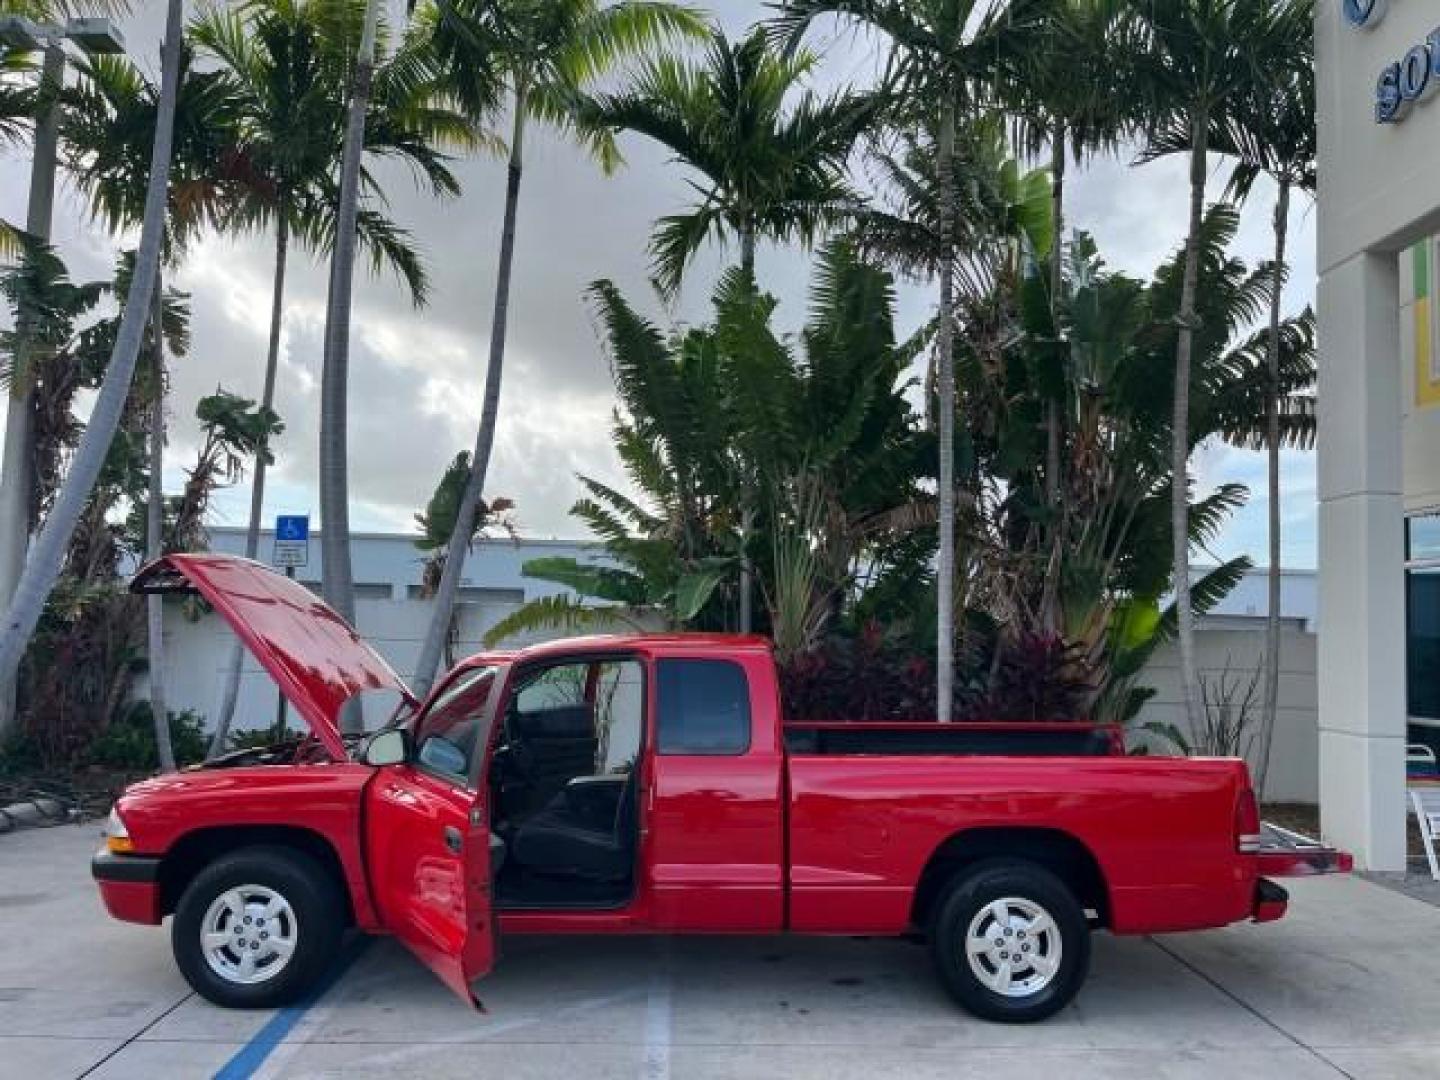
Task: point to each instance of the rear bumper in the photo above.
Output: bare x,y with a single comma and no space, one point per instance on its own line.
1284,853
1304,861
129,886
1289,854
1270,902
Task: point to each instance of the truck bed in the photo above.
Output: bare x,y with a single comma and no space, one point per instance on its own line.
1160,833
964,739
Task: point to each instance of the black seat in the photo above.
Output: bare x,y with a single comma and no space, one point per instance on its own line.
585,831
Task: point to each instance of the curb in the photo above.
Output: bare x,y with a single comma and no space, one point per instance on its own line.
32,813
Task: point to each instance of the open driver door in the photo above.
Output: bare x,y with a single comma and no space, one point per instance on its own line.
427,832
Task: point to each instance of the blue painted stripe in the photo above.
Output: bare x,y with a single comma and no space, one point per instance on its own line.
252,1055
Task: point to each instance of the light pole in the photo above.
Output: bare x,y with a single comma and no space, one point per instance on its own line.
92,36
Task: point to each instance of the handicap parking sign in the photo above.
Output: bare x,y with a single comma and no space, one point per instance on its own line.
292,540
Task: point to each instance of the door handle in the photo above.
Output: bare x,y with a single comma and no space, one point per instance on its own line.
453,839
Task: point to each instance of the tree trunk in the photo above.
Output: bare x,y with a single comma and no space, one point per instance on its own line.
236,658
337,579
1050,602
945,570
1268,716
155,536
746,620
1180,457
48,554
464,529
1057,284
17,479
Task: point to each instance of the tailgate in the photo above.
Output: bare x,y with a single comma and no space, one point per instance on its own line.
1284,853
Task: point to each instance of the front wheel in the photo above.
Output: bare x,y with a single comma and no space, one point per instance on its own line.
1010,941
257,928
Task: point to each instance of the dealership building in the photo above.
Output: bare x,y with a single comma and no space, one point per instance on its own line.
1378,663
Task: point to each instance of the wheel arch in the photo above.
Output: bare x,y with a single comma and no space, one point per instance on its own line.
1058,851
198,848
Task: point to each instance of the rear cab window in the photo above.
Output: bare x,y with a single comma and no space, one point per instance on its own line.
702,707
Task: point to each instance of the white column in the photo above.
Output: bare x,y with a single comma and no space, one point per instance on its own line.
1362,601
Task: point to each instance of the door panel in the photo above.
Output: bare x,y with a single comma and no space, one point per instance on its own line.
428,846
713,807
427,835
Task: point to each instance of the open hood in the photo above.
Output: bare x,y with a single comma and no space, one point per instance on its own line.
315,657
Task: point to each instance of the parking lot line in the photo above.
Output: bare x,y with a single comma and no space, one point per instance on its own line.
657,1019
250,1057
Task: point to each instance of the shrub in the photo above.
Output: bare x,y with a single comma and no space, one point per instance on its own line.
20,756
257,738
128,742
1037,677
870,677
860,678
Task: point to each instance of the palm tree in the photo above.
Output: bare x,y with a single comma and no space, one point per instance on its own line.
337,578
107,130
547,56
765,172
29,101
1195,61
944,54
1069,101
287,68
1273,133
47,556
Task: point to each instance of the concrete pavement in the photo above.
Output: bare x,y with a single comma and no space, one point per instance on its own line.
1347,985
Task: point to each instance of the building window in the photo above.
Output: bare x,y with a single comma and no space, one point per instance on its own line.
1422,617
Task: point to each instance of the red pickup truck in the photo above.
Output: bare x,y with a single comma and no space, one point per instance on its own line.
647,784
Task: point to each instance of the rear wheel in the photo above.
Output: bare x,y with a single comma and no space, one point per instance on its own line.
257,928
1010,941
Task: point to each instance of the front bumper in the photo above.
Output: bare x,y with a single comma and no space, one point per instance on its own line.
129,886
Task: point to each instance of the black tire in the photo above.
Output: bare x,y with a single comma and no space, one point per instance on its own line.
972,891
316,907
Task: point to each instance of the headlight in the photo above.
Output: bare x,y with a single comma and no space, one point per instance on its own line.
117,837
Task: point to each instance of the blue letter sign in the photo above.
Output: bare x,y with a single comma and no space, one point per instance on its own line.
1366,13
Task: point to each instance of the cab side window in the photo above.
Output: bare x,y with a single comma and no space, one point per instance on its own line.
449,733
702,706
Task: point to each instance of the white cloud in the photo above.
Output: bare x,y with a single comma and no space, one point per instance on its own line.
417,376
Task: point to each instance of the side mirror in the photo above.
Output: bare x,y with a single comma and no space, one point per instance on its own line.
389,746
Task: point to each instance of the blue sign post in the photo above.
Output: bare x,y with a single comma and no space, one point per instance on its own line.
292,540
292,549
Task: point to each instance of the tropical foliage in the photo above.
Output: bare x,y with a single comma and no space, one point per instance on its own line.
826,457
990,516
78,670
546,57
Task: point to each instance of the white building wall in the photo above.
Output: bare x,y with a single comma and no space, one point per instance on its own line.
1294,754
387,608
1377,196
394,620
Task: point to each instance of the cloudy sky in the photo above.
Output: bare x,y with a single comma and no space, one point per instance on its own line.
416,376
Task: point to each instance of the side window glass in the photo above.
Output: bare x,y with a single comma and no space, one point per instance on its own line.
619,716
554,688
703,707
450,732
